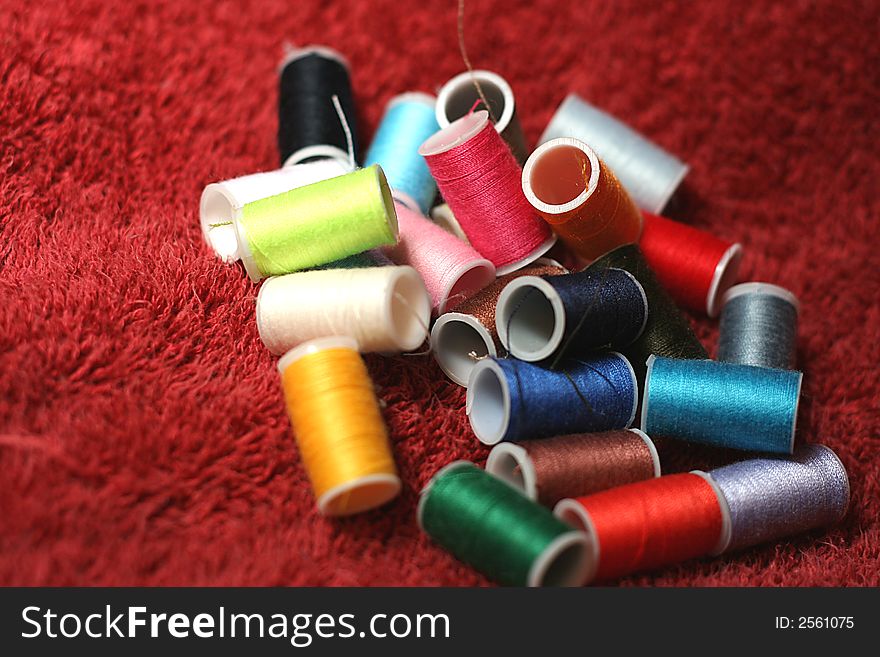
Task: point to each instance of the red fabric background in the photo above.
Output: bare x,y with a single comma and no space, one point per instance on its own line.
143,438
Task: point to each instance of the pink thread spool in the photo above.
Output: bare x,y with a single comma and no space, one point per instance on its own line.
452,270
480,180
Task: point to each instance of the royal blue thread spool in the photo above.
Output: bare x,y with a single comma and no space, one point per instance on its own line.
721,404
509,399
409,120
539,317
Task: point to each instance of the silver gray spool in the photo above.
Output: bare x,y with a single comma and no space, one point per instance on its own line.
649,173
759,326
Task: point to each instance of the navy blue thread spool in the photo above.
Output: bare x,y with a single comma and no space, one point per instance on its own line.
508,399
769,498
308,125
758,326
539,317
721,404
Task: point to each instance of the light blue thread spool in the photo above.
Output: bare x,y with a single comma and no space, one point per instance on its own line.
409,120
721,404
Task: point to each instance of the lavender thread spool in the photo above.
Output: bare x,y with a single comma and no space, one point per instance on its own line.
759,326
769,498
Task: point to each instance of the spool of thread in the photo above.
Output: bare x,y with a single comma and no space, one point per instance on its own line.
494,528
759,326
695,267
573,466
649,173
316,224
308,125
339,429
222,202
408,121
667,332
774,497
580,197
721,404
554,316
460,339
452,270
479,179
384,309
648,524
371,258
515,400
458,97
443,217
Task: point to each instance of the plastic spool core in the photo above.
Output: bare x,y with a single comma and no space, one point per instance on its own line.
725,275
560,176
408,309
218,207
655,457
454,134
530,318
565,562
512,464
365,492
488,402
572,513
726,534
458,96
468,279
453,338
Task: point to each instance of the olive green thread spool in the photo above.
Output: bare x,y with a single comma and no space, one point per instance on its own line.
316,224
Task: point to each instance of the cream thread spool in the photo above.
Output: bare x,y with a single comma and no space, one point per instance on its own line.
384,309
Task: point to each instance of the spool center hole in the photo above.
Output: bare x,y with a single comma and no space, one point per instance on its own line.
462,99
530,320
561,174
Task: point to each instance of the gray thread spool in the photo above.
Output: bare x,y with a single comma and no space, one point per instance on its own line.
759,326
774,497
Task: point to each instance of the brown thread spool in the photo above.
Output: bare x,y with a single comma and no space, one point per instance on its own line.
581,198
573,466
460,339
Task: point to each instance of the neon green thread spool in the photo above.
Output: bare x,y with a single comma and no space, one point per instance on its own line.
316,224
499,531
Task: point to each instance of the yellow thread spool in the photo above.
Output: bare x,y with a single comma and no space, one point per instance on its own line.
339,429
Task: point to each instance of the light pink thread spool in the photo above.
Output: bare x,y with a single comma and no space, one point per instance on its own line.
480,180
452,269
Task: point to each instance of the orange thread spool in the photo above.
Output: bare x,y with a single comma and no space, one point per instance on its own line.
339,428
580,198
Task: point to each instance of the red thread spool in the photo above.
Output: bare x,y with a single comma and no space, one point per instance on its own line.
650,523
480,181
580,198
695,267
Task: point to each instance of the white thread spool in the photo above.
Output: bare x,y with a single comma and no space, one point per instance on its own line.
650,174
222,203
457,98
385,309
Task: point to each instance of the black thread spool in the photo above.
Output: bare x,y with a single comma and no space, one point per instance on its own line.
308,126
667,332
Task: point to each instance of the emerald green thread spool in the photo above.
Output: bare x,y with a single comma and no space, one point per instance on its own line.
316,224
499,531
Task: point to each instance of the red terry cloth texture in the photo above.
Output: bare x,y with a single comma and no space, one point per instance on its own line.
143,434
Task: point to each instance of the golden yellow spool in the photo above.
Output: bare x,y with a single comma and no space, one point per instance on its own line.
339,428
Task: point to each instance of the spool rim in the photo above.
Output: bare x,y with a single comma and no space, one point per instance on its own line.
418,305
315,346
261,328
440,350
491,368
649,366
423,494
477,266
635,384
244,251
727,266
218,190
581,198
797,406
758,287
325,151
326,500
572,513
455,134
326,52
387,200
641,289
539,251
725,537
576,574
503,318
465,79
655,457
498,465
